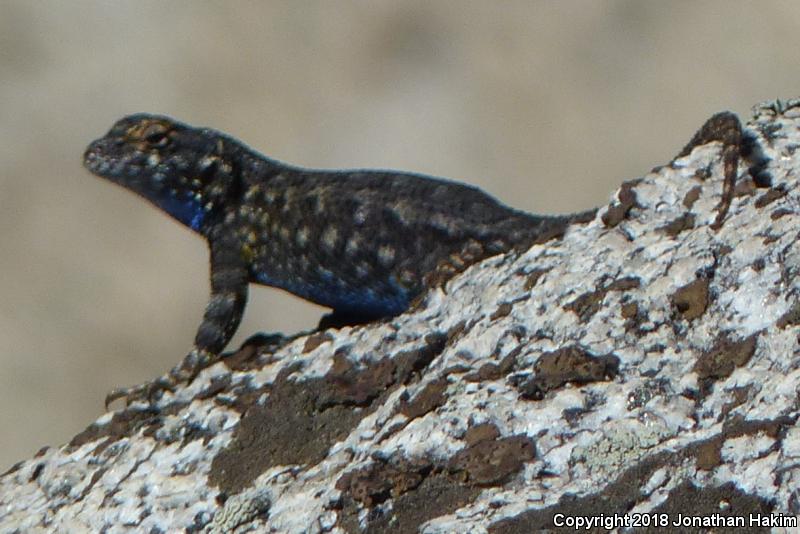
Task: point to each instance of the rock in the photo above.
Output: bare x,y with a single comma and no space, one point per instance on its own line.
645,365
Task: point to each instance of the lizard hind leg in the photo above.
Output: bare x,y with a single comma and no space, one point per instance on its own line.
457,262
725,128
736,144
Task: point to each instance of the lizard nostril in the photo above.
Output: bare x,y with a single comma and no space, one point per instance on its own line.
90,154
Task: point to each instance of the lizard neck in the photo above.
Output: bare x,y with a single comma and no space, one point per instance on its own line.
213,184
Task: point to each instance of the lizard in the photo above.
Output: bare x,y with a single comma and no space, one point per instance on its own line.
363,242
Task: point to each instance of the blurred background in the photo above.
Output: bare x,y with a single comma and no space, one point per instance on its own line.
546,105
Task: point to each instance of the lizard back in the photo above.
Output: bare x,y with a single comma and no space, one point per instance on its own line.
362,241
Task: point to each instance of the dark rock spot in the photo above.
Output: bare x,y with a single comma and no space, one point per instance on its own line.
493,371
533,278
409,364
709,454
431,397
692,196
617,212
629,310
435,496
456,332
419,491
217,385
791,317
302,419
569,364
770,238
635,317
289,429
780,212
491,462
740,396
483,432
315,340
36,472
587,304
771,195
347,384
625,283
422,489
502,311
691,300
14,468
724,357
678,225
383,479
123,423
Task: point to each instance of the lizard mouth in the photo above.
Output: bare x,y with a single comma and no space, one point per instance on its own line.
93,158
99,159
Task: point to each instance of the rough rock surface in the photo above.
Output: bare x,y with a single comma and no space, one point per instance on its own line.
645,364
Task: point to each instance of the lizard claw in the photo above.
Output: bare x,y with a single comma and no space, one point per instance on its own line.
184,372
148,392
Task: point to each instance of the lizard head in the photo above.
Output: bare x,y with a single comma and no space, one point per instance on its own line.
180,169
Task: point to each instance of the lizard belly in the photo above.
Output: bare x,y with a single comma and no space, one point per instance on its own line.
375,300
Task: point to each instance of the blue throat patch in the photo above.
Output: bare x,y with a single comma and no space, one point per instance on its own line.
188,211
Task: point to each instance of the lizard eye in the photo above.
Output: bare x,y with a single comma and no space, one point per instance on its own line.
156,134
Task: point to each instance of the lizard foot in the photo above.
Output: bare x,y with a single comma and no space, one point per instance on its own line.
184,372
737,144
148,392
472,252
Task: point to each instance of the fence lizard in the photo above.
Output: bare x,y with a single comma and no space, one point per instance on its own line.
362,242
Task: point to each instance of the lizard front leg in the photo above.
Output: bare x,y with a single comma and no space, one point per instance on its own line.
229,281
